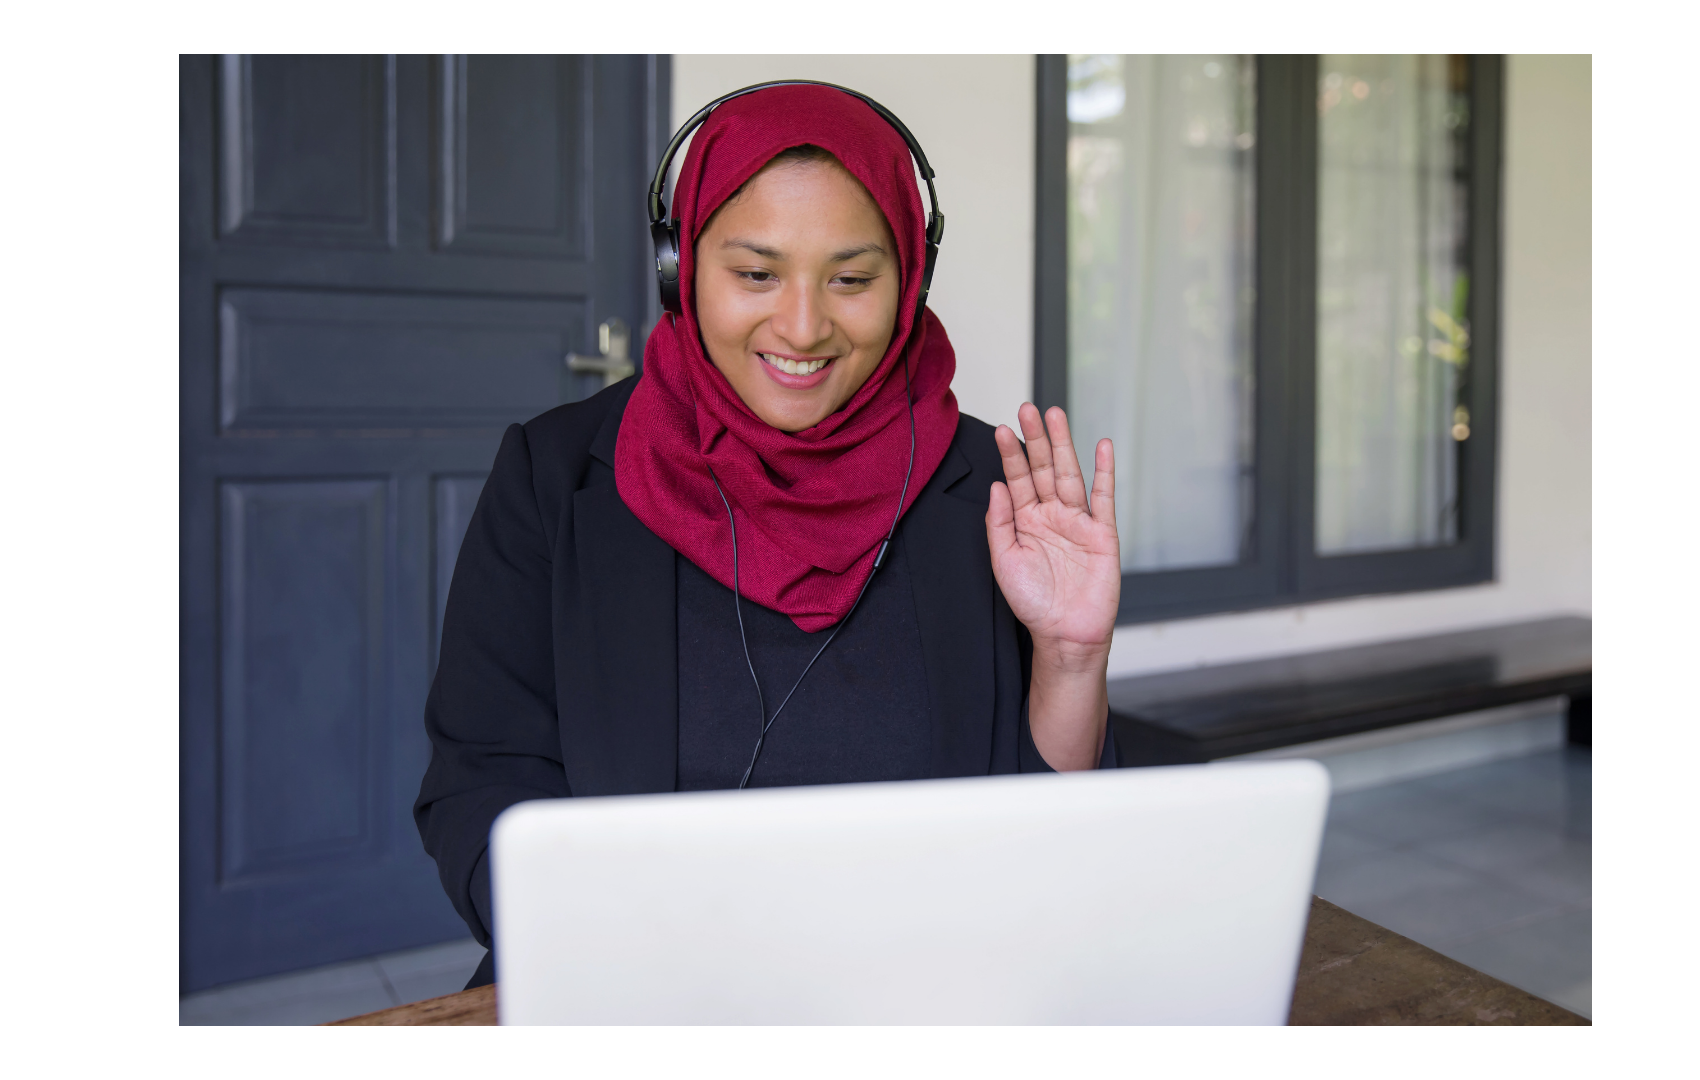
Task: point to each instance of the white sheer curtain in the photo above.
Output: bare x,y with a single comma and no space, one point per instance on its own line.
1392,344
1161,188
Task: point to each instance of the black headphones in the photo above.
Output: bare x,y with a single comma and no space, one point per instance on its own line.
665,233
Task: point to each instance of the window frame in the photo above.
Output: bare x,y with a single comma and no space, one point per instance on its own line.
1283,567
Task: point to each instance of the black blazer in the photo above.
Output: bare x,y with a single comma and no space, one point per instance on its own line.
558,672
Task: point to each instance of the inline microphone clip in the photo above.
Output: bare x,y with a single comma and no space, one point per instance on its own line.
879,559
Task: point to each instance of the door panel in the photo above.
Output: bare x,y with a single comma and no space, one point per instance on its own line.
383,262
313,362
512,173
307,149
302,619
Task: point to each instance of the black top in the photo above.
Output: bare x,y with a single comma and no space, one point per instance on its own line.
559,669
859,714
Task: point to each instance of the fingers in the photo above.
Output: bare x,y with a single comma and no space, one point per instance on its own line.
1000,520
1050,468
1038,451
1071,486
1104,484
1015,469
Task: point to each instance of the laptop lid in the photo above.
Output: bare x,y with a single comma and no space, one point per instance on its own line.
1174,895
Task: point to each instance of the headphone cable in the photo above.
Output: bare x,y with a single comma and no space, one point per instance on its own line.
879,560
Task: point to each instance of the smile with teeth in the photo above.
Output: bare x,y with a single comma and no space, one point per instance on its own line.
794,367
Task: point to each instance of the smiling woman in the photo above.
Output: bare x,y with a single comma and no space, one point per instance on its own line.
652,575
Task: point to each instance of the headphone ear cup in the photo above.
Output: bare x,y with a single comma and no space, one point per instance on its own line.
665,236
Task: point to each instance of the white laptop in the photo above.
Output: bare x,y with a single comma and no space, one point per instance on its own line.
1175,895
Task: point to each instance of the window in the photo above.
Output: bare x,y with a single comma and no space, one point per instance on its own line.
1273,282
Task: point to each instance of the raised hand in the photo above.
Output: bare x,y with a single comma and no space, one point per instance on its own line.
1055,556
1057,559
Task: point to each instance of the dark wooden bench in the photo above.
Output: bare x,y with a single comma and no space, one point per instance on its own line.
1207,713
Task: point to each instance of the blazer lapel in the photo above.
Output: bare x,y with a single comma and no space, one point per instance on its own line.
944,540
619,691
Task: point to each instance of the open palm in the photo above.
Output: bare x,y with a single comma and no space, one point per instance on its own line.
1054,553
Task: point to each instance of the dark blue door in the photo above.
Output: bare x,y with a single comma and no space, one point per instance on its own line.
384,261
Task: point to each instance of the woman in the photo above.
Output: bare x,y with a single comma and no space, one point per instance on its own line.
650,573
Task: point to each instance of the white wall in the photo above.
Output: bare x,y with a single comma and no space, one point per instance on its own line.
1546,501
974,116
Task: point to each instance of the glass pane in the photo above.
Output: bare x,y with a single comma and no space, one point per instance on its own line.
1160,198
1392,338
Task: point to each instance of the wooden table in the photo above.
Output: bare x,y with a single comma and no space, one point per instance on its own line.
1355,972
1351,972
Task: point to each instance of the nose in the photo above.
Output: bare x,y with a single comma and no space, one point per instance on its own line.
802,320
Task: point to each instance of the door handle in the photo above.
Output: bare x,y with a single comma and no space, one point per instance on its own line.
614,338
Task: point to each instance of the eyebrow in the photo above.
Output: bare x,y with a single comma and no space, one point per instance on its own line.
852,252
771,253
759,249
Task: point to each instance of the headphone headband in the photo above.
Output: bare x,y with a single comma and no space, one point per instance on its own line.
666,234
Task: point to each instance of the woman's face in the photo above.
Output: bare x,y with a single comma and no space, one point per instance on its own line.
797,291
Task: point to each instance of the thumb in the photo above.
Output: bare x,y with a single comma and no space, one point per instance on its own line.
1000,521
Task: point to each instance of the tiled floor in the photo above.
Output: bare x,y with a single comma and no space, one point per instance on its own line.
1490,865
337,991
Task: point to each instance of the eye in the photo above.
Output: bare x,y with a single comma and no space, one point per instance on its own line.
756,277
852,281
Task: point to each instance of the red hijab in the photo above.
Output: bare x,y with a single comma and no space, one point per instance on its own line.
811,506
